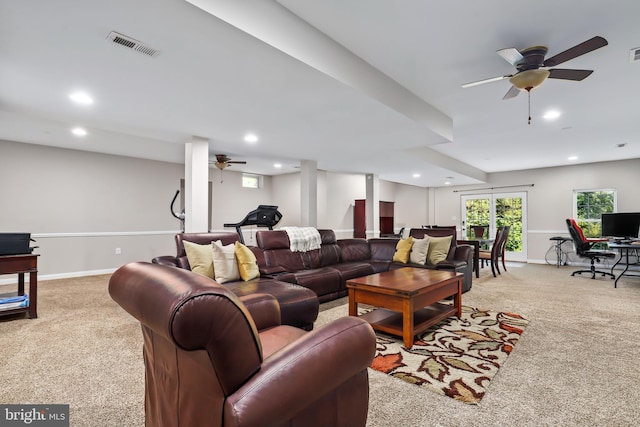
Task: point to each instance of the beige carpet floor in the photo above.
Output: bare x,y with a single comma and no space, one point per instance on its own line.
575,365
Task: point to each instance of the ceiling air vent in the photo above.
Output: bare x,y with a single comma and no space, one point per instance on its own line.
634,54
131,43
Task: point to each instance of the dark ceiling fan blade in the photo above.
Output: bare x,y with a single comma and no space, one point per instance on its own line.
567,74
511,93
239,162
510,54
481,82
578,50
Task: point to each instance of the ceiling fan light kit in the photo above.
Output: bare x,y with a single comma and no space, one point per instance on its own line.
529,79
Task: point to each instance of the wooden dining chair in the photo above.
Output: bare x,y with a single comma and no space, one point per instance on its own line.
492,256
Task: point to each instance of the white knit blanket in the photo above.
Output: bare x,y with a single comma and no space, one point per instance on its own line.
303,239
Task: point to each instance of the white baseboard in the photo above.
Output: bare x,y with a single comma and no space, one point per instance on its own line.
68,275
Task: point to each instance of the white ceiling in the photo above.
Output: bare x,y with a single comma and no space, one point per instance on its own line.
360,86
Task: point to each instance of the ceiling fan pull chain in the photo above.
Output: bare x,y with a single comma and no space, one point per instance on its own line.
529,100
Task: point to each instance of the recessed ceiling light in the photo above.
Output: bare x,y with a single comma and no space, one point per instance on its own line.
250,137
447,183
81,98
551,114
572,158
416,175
78,131
277,165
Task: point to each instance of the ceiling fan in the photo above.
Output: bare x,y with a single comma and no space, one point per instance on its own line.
533,69
223,161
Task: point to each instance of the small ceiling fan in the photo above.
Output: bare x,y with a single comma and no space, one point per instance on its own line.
223,161
533,69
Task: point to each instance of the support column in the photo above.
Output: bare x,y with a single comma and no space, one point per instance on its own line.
196,183
309,193
373,205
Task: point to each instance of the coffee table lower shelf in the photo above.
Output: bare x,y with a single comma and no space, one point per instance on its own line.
391,322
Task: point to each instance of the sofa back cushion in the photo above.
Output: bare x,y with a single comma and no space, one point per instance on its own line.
382,249
275,248
353,250
328,254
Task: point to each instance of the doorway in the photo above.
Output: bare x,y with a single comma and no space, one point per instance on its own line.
496,210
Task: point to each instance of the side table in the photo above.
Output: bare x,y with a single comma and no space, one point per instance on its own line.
21,264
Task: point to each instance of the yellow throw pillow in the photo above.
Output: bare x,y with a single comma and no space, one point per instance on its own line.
200,258
225,266
247,262
438,249
403,248
419,251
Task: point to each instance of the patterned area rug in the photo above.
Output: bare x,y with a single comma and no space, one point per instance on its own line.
457,357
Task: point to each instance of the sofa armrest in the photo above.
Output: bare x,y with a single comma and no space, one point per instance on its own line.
311,367
264,310
165,260
464,253
450,265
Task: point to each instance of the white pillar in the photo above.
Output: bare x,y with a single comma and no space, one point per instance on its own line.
196,183
309,193
373,205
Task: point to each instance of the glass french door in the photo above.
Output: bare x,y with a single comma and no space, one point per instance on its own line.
496,210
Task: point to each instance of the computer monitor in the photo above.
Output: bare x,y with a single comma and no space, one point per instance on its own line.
621,225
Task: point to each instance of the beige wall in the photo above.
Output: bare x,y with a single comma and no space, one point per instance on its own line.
81,206
550,200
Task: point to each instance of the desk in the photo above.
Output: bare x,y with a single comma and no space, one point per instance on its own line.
476,243
20,264
624,249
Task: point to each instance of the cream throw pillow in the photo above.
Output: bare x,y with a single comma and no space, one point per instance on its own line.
200,258
247,262
438,249
419,251
225,266
403,248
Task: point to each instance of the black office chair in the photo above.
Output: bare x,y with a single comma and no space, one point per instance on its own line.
583,249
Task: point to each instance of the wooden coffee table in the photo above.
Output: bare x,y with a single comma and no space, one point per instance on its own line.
407,299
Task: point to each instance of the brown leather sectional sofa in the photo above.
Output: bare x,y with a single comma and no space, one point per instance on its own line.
299,280
326,270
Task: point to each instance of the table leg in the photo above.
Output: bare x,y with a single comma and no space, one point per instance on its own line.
20,283
407,323
457,299
353,305
33,294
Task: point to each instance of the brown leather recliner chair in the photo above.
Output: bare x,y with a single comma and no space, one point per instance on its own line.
214,359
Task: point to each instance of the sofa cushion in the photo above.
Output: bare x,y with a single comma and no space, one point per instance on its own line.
225,265
382,249
247,262
298,305
326,282
351,270
200,258
403,249
352,250
438,249
419,251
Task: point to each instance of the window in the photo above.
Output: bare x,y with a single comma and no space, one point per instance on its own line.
588,205
250,180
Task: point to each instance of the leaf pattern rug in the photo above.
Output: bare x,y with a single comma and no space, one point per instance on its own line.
456,357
